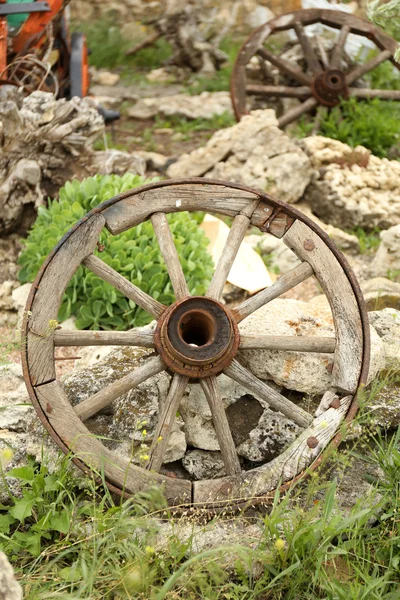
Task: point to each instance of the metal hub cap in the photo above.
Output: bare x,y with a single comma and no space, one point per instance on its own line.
197,337
329,86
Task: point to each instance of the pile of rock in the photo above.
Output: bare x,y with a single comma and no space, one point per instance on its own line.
44,143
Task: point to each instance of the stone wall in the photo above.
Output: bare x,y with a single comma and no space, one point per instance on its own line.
249,13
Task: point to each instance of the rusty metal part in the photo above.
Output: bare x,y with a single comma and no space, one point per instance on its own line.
329,87
308,245
277,223
197,337
292,213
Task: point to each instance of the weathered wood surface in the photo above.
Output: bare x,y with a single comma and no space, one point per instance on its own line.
48,297
207,197
267,393
107,273
308,50
279,91
293,343
326,400
297,111
211,390
369,93
226,260
337,52
134,337
285,66
283,468
282,285
166,421
85,446
170,255
345,310
97,402
367,66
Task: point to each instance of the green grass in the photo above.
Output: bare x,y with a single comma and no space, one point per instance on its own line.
108,48
185,127
69,539
374,124
369,240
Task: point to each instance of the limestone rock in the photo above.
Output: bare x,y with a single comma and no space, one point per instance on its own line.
304,372
104,77
387,258
380,293
254,152
204,465
352,188
132,413
203,106
386,322
10,589
273,434
44,143
384,407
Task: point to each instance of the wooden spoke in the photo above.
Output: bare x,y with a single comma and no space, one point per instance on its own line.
232,245
309,54
369,93
170,255
264,68
97,402
368,66
299,343
284,66
297,111
279,91
324,56
337,52
100,268
282,285
267,393
166,421
227,446
135,337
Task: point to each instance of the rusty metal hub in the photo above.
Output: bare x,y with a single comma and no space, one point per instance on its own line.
197,337
329,86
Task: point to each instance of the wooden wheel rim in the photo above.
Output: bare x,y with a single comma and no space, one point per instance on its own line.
125,211
310,90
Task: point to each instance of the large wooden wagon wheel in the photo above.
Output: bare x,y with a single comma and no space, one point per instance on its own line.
196,338
325,77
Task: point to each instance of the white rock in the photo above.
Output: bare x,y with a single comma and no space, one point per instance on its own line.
103,77
386,322
204,465
305,372
387,258
380,293
203,106
20,295
254,152
10,589
353,188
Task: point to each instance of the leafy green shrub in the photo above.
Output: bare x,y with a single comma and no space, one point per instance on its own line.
374,124
133,253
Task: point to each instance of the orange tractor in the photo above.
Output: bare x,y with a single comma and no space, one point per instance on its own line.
37,50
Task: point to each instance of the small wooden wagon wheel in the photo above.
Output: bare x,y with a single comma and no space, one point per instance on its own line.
196,338
325,78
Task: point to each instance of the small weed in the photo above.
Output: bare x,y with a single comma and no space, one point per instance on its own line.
369,240
106,142
393,274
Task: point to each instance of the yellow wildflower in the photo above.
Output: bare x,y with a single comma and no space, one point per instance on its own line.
279,544
159,438
53,323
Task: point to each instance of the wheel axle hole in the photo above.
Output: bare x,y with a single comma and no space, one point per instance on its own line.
197,328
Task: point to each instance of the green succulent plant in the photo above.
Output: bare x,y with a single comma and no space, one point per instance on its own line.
134,253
